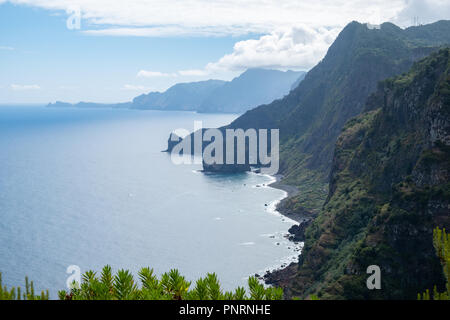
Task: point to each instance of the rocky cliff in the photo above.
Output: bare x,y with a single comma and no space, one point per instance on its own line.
389,188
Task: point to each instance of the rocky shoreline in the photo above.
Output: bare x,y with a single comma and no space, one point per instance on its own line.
282,276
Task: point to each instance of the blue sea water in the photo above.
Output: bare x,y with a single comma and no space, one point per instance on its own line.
92,187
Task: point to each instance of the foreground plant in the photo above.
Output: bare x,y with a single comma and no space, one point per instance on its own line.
441,242
16,293
171,286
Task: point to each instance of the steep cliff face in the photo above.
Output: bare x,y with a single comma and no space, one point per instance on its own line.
389,188
251,89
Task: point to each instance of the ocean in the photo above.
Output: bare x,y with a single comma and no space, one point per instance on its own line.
91,187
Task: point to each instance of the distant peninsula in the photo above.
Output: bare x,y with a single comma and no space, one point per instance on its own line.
252,88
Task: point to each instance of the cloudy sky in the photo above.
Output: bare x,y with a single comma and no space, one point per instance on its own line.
113,50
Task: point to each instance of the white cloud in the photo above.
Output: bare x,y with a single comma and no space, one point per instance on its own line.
426,10
6,48
154,74
165,31
218,17
294,34
297,47
25,87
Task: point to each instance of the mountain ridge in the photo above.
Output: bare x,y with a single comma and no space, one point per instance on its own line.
253,87
181,96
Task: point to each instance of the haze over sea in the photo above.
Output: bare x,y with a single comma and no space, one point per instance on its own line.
91,187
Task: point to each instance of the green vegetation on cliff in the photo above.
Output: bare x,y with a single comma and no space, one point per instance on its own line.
16,293
441,242
389,187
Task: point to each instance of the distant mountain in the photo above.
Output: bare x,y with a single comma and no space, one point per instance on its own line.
252,88
430,34
297,82
182,96
60,104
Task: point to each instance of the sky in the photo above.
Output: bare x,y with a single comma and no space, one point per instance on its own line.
113,50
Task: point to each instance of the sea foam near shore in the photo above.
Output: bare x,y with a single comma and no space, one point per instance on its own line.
280,238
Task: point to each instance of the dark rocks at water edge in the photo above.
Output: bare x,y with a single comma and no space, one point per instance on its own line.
188,148
282,277
297,231
213,168
226,168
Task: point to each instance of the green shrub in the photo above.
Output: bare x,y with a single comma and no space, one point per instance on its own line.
16,293
441,241
171,286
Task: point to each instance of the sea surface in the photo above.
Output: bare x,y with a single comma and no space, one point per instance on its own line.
91,187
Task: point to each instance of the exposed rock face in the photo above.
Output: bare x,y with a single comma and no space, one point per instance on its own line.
214,167
281,278
172,142
389,188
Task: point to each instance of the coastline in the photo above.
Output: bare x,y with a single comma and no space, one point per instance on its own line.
268,273
285,273
291,191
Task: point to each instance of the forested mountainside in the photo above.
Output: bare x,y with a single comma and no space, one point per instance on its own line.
311,117
389,188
